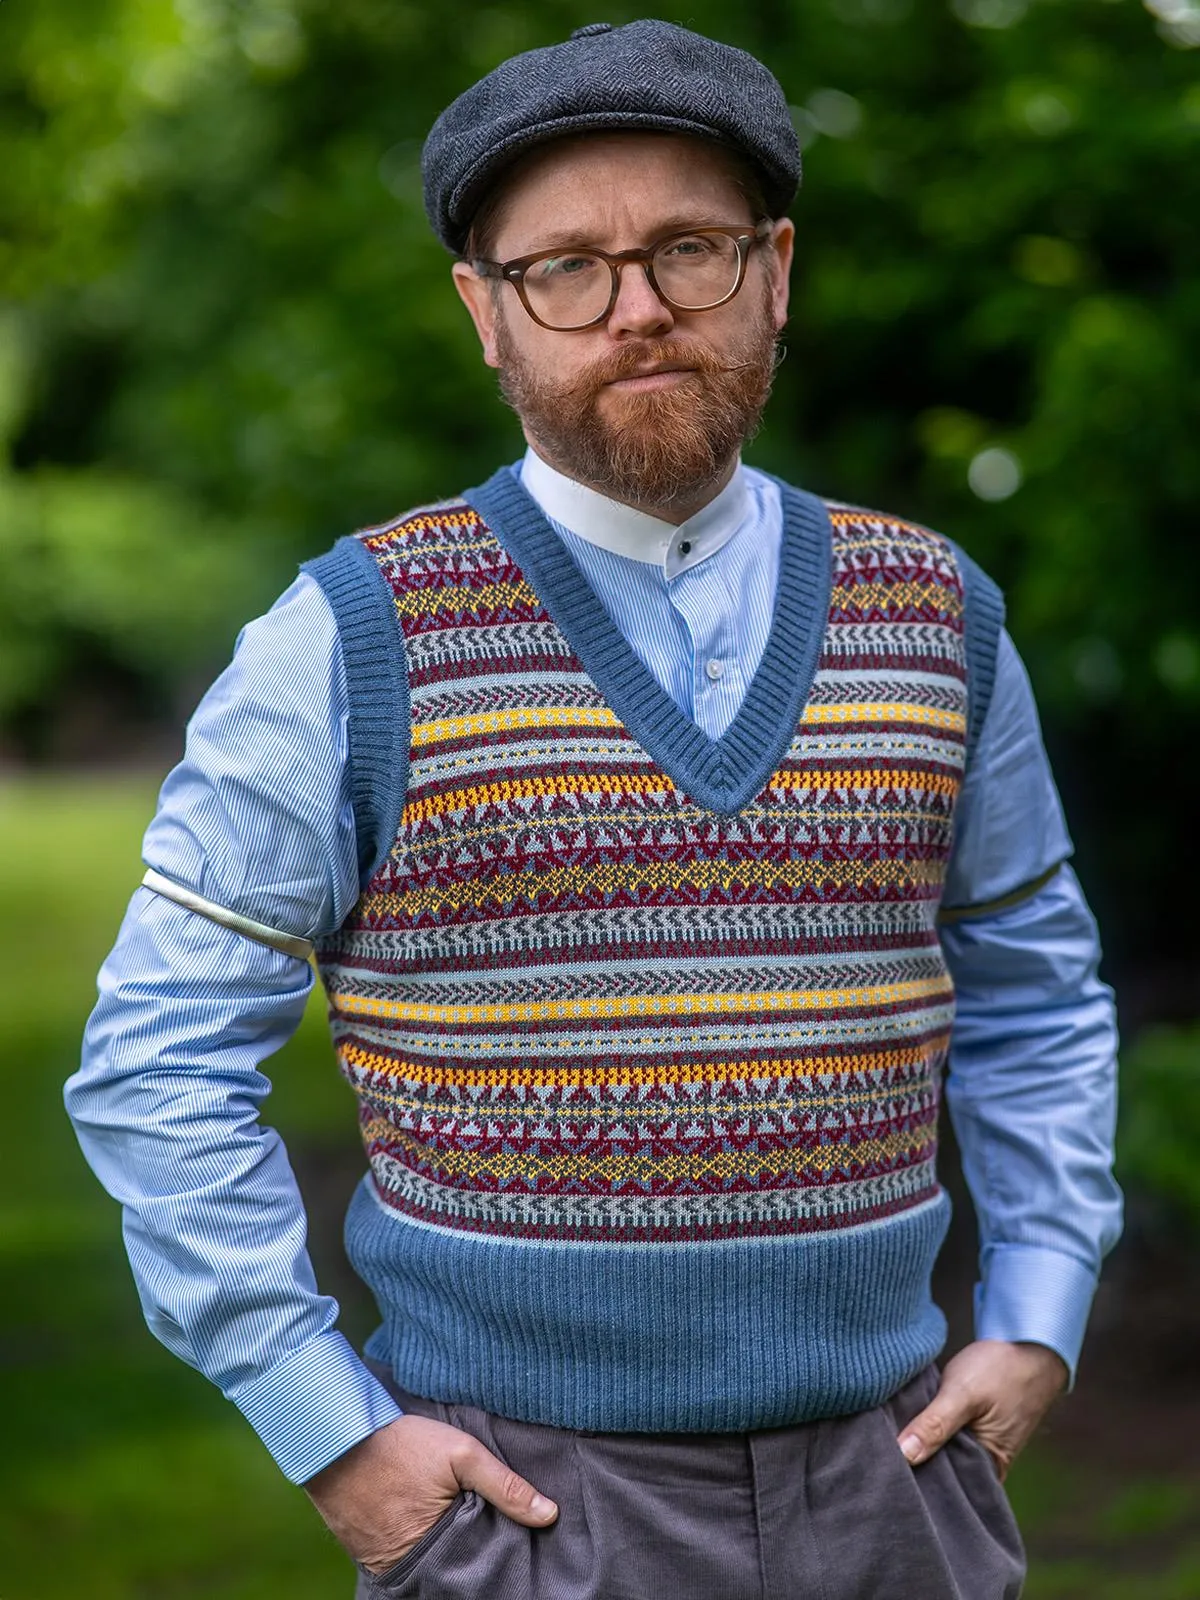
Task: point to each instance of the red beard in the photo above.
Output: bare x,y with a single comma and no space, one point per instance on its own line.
657,448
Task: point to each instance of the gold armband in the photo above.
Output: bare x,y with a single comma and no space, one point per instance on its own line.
1006,901
290,944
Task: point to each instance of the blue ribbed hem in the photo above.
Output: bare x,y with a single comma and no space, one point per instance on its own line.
662,1338
1037,1296
316,1405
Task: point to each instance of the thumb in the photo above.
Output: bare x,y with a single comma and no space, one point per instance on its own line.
480,1470
950,1409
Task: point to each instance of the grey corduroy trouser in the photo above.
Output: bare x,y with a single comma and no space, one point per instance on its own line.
822,1511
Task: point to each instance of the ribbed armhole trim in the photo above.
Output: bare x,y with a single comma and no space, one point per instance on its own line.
983,606
377,687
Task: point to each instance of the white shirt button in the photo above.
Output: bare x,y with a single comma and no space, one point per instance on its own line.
714,669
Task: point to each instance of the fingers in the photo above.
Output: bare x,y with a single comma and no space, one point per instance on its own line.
950,1409
1000,1389
477,1468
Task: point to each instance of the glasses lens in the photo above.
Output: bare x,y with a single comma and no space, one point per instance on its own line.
697,269
568,291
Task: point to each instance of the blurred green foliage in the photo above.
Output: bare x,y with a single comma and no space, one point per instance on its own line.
1159,1142
227,327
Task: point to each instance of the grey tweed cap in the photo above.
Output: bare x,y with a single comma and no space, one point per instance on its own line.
647,74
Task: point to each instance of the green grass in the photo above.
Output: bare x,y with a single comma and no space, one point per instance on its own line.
1094,1535
124,1475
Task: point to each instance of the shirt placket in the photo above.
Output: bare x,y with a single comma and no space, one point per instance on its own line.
701,600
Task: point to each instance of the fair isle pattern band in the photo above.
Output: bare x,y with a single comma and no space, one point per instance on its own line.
575,1003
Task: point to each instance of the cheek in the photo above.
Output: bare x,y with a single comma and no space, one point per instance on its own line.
555,361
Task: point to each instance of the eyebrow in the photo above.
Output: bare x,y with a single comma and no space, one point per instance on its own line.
682,223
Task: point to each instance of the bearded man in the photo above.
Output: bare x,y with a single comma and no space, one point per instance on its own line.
645,813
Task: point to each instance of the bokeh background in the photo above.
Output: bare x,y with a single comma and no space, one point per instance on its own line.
227,336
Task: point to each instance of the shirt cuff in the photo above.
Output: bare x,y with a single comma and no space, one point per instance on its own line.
1032,1295
316,1405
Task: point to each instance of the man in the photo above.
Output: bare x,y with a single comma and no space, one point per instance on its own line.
620,797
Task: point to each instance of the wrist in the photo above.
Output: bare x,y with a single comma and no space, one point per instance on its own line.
1046,1360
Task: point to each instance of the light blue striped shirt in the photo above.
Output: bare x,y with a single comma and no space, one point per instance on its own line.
257,817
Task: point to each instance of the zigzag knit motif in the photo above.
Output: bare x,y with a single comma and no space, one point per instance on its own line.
574,1003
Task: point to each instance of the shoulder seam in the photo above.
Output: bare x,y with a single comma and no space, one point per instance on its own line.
839,512
433,509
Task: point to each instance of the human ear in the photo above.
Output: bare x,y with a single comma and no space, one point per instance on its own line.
476,294
779,265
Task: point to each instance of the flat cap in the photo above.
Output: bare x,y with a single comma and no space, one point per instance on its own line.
646,75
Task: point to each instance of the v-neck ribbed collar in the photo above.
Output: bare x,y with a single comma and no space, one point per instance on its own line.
723,774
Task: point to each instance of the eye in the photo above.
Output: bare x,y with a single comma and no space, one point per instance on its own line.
563,267
692,246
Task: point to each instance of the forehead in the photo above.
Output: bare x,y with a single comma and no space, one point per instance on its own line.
615,190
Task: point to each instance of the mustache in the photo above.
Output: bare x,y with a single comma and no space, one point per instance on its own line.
633,360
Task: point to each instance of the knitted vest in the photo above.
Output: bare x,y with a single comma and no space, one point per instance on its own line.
647,1029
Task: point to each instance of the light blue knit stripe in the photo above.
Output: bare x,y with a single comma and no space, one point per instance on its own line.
679,1034
641,926
654,974
500,681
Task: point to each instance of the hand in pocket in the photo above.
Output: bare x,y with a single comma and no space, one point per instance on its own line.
385,1494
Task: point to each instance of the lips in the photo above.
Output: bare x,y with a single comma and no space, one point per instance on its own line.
652,366
651,377
653,372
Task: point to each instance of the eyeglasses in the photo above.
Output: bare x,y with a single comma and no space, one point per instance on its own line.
568,289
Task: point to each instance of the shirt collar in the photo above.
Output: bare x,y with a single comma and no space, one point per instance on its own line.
627,532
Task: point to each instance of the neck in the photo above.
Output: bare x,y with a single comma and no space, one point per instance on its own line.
675,510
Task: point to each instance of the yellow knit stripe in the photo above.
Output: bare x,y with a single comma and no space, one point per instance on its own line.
582,1167
501,721
633,783
884,711
467,601
498,794
515,717
911,1061
645,1005
888,597
470,600
868,778
644,877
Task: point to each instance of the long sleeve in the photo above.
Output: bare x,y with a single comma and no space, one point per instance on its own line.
166,1103
1032,1082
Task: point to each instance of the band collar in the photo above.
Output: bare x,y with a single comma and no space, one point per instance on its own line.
624,531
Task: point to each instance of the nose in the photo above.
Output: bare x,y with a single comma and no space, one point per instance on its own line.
638,310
